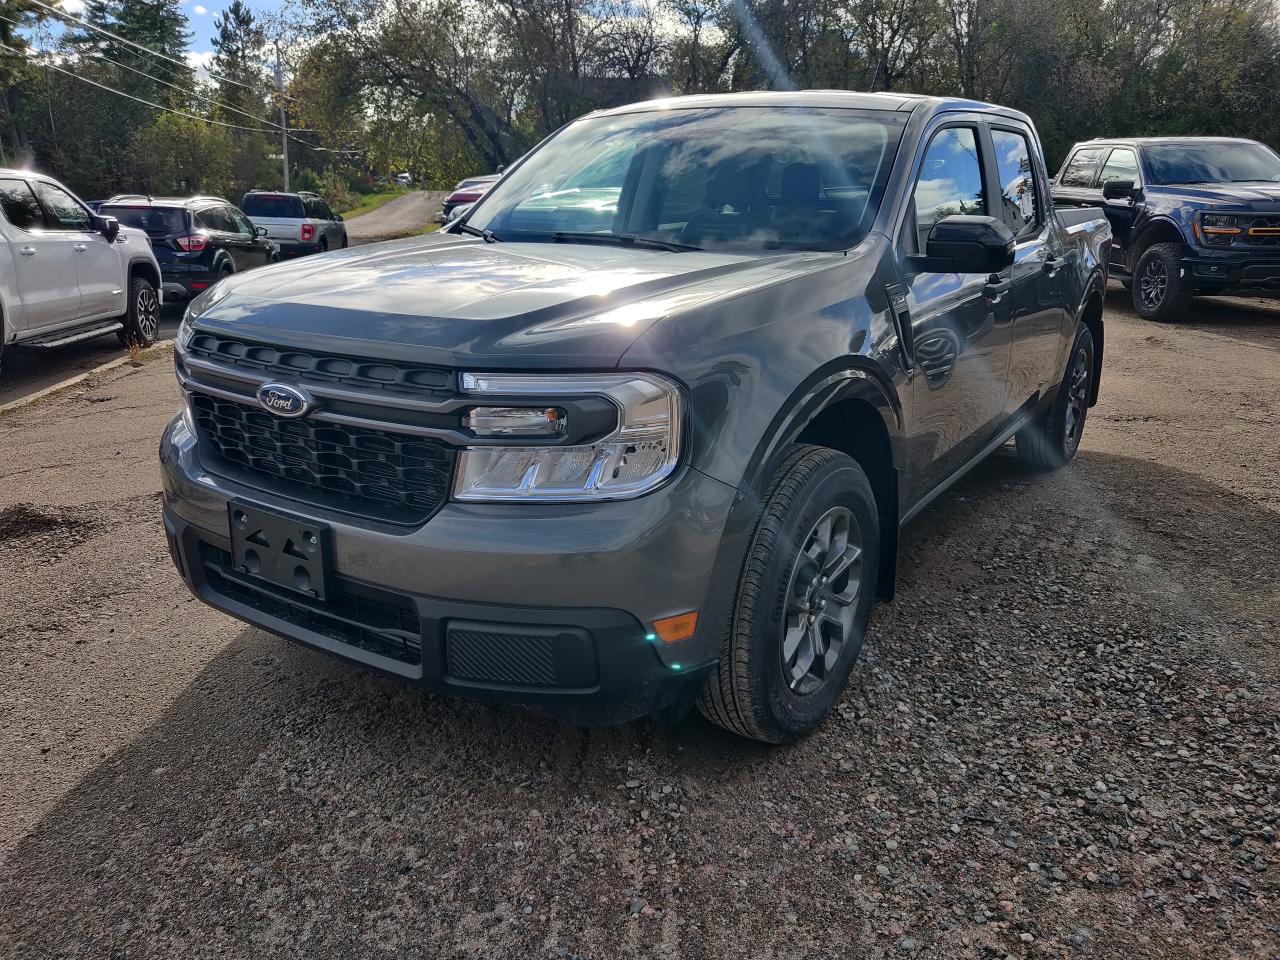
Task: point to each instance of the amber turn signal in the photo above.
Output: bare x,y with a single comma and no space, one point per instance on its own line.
679,627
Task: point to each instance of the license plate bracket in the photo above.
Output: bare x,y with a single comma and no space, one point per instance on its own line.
286,551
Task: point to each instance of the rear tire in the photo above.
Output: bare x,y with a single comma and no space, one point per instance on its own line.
1158,290
324,245
142,322
1052,439
803,600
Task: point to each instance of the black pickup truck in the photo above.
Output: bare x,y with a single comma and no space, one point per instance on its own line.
1190,215
642,426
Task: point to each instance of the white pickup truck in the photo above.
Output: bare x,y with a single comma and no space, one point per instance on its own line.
67,274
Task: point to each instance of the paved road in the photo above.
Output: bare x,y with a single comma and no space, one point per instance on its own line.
398,218
26,371
1059,742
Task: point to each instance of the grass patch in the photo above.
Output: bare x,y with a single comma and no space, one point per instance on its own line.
373,201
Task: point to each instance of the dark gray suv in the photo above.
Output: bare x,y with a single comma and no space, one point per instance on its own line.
641,428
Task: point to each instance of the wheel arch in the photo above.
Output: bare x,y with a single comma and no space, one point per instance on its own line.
853,409
148,270
1159,230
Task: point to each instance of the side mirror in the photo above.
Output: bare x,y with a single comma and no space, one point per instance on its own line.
259,231
967,244
1118,190
337,218
109,227
460,211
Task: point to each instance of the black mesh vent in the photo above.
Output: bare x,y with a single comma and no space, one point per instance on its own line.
522,659
303,365
367,472
373,620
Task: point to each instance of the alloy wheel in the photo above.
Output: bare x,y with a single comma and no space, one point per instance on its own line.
822,600
147,313
1153,283
1077,397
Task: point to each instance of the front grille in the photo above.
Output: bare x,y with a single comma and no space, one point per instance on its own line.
1262,223
370,473
383,623
303,365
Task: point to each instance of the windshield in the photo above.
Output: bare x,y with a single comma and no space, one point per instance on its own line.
158,221
1235,161
273,205
715,179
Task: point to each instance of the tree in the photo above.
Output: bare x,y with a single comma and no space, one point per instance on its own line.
242,95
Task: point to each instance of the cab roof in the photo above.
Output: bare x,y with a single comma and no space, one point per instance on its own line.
846,99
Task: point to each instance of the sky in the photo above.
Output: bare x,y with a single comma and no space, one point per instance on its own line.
200,16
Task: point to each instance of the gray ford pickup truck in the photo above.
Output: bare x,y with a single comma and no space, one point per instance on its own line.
641,428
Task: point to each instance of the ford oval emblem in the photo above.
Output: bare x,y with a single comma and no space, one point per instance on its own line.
283,400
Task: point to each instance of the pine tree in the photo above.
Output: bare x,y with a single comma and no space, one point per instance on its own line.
237,60
157,25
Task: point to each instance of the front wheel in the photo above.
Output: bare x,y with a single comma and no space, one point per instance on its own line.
1052,439
142,322
803,600
1158,290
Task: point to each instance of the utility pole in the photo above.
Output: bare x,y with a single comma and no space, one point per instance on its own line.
284,125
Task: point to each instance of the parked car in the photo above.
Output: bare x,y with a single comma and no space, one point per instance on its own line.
68,274
465,192
301,223
196,240
643,427
403,179
1190,215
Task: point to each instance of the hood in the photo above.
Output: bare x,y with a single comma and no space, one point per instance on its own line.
447,299
1258,196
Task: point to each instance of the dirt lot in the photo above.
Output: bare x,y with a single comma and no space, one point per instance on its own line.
1063,739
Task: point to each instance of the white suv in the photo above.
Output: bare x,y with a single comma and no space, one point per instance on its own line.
67,274
301,223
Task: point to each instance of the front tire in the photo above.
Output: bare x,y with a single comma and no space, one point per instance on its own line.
1158,290
803,601
142,322
1052,439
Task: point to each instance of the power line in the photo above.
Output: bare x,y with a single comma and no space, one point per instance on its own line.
149,103
137,46
270,128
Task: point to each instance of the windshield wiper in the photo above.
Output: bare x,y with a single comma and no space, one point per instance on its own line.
488,236
622,240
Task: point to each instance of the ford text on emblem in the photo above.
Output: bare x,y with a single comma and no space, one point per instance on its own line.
282,400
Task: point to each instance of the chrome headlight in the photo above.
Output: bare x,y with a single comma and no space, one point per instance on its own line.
632,454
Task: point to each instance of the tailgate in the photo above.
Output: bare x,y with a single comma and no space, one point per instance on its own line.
279,229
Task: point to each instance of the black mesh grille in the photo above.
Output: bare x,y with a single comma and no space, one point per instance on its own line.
527,660
303,365
367,472
373,620
1263,223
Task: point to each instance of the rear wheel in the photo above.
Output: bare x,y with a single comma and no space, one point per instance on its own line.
1052,439
324,245
142,322
1158,290
803,602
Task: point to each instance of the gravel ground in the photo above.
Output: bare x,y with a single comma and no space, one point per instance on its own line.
398,218
1062,739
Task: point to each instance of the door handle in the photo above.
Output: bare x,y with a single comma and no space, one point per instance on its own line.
28,251
995,289
1052,266
80,248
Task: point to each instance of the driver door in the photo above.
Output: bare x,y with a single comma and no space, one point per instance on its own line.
960,336
98,272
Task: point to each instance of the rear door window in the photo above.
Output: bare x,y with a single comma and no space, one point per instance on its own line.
215,218
1078,170
273,206
1020,204
156,221
21,208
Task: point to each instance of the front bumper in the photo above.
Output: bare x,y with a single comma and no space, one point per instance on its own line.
1233,270
548,605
